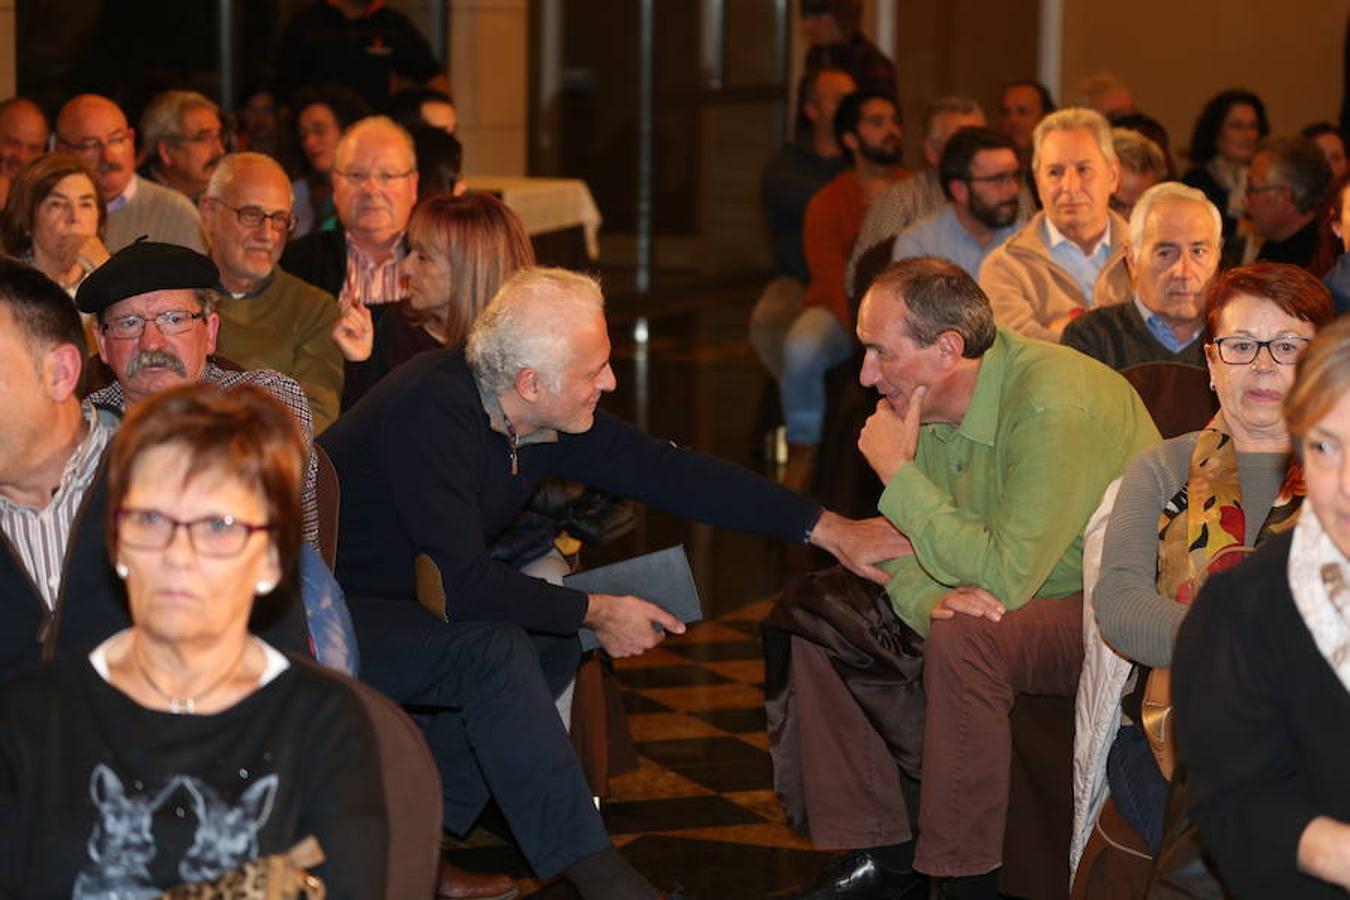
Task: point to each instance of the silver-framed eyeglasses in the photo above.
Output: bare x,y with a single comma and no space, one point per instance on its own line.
253,216
91,146
1239,351
361,176
218,536
169,322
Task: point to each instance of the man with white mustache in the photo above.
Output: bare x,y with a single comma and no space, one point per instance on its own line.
1046,275
269,319
96,130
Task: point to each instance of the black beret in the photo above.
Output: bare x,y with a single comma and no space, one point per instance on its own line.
143,267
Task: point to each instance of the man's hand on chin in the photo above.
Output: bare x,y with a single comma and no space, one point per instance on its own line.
968,600
888,439
860,543
624,624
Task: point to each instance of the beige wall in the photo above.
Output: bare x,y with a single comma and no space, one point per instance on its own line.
489,68
1175,55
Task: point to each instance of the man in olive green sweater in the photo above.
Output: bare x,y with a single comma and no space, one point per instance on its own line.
269,319
994,449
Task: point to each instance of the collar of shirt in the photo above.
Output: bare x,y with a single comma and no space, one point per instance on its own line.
122,199
980,423
80,468
1054,238
1083,267
260,289
369,282
499,423
1161,331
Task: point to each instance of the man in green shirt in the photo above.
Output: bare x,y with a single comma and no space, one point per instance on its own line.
994,450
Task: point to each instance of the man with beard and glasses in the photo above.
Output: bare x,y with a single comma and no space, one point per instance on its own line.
867,124
1046,275
982,181
96,130
183,137
1175,237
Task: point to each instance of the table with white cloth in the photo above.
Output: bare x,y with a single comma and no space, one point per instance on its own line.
559,214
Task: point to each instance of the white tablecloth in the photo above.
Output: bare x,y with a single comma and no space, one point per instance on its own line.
546,204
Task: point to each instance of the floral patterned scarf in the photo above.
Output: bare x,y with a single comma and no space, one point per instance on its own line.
1206,518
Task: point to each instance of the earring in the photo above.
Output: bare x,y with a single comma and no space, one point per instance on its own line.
121,570
264,587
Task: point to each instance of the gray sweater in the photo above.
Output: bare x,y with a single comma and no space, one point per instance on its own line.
1134,618
162,213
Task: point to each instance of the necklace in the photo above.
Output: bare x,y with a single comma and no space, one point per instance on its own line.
187,706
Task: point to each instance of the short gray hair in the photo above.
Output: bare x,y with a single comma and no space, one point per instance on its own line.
361,126
228,170
163,118
1169,190
1075,118
1299,164
524,326
1139,152
939,296
947,106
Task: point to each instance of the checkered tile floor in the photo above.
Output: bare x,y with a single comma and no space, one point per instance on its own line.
700,811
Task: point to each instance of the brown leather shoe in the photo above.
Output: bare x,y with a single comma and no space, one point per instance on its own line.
454,883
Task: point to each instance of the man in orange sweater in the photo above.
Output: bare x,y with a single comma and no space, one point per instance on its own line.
867,124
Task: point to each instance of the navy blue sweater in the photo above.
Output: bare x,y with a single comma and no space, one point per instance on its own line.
422,472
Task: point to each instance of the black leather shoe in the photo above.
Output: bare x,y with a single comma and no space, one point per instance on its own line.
859,876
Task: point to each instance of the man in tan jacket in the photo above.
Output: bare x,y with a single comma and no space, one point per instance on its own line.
1046,274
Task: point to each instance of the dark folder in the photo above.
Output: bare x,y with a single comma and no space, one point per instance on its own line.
663,578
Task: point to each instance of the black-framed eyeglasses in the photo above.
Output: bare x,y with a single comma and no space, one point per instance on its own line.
253,216
218,536
1239,351
360,176
169,322
1002,178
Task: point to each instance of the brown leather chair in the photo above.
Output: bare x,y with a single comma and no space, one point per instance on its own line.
329,495
412,796
1177,395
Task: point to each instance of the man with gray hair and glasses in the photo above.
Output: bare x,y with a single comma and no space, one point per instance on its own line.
437,460
1286,189
1043,277
1175,239
374,191
96,130
183,139
269,319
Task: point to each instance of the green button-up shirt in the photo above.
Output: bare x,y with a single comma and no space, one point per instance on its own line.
1000,501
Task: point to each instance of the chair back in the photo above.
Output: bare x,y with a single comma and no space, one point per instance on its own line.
1177,395
329,494
412,796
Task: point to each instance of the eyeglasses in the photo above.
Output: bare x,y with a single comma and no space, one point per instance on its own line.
253,216
1239,351
1261,189
169,322
1002,179
93,146
217,536
360,176
205,136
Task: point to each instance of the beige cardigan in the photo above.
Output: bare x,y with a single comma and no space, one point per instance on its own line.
1031,294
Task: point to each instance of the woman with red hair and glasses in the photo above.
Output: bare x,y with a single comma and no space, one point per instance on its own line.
1185,508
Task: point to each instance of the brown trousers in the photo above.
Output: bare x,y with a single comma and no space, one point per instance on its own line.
973,671
845,784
